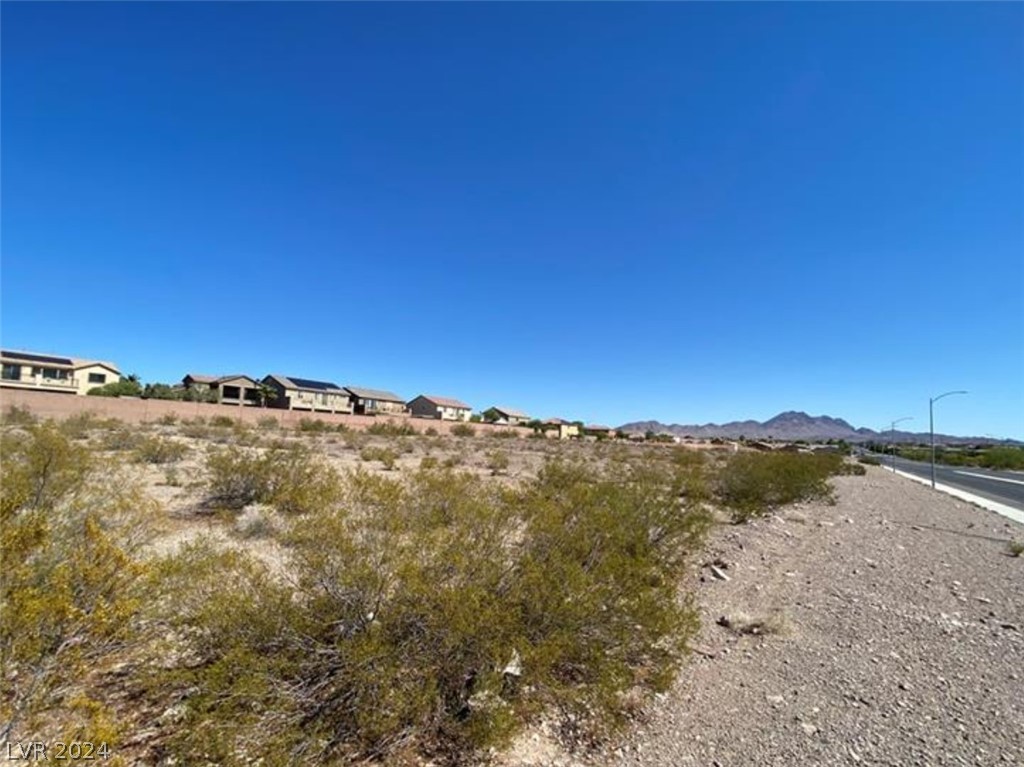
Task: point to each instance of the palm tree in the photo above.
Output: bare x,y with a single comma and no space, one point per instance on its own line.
266,393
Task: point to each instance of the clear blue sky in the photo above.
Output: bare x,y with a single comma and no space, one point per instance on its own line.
691,212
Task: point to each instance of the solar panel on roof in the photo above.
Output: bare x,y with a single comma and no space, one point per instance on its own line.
36,358
305,383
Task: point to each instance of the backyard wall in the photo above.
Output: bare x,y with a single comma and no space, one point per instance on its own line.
130,410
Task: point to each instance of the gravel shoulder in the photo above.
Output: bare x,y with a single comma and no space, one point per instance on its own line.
887,629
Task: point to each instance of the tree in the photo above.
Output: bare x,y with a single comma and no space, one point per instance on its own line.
266,393
491,415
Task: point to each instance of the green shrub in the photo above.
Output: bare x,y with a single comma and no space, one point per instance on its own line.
390,429
70,591
505,434
126,387
1011,458
398,637
1016,548
870,460
268,423
497,462
15,415
222,421
462,430
385,455
160,450
751,484
291,479
314,426
124,438
428,462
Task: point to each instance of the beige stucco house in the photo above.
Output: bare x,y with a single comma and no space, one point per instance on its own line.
307,394
230,389
565,429
442,408
508,416
376,402
44,372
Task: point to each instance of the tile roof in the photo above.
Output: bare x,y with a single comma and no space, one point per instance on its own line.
446,402
511,412
377,394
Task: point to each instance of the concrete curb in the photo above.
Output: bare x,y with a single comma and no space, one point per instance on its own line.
999,508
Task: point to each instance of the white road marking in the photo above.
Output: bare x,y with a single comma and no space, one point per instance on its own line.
989,476
1000,508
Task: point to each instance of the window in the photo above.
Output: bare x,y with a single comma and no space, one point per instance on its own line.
51,374
12,373
97,378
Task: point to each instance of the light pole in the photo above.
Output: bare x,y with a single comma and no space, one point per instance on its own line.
931,426
892,438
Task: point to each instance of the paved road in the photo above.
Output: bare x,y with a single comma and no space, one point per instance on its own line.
1000,486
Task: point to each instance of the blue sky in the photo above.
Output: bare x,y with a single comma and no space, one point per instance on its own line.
690,212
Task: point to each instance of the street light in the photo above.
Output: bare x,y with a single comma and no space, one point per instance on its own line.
931,426
892,438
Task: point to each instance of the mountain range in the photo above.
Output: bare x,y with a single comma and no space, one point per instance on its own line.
794,425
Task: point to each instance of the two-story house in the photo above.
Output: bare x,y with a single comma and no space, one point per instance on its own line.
307,394
44,372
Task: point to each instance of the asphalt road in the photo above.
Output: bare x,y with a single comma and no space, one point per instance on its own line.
1001,486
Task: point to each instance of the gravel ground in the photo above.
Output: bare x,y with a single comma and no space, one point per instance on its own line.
889,631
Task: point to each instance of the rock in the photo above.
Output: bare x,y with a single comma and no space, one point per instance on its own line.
776,700
715,571
808,728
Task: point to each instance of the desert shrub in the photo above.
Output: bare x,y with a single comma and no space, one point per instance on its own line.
15,415
79,425
291,479
453,460
385,455
168,419
222,421
497,461
505,434
400,637
463,430
851,469
390,429
159,450
196,429
751,484
1002,458
70,583
268,423
1015,548
428,462
870,460
430,431
313,426
124,438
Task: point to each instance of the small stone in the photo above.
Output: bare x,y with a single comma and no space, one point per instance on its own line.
808,728
776,700
715,571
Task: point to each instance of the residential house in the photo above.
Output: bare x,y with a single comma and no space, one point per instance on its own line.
229,390
506,416
599,431
565,429
442,408
43,372
306,394
375,402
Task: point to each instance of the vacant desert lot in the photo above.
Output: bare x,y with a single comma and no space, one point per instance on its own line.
882,626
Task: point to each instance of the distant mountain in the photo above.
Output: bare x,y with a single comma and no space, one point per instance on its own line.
794,425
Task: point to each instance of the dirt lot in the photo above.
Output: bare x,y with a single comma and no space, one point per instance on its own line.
885,629
893,634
